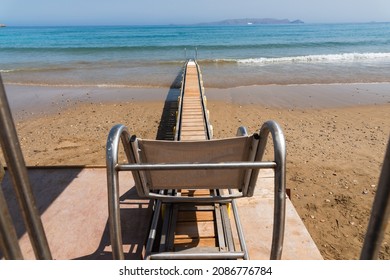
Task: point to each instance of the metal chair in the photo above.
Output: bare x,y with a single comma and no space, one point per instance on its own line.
167,170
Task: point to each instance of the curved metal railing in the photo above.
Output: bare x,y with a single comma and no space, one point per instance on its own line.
120,133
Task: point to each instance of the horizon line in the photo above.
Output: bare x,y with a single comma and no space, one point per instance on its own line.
181,24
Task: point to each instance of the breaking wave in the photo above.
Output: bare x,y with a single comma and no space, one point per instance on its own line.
345,57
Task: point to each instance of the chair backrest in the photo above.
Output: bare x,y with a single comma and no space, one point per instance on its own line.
221,151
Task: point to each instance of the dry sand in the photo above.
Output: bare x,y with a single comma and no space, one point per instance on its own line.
335,144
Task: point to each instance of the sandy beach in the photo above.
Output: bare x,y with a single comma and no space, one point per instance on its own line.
336,138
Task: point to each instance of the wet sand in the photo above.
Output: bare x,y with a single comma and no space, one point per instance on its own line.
336,138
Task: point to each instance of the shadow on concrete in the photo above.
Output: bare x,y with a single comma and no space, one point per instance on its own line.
135,215
47,185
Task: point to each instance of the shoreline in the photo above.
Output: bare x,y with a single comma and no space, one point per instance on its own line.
29,101
34,101
307,95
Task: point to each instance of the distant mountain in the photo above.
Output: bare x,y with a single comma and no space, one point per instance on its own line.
252,21
297,21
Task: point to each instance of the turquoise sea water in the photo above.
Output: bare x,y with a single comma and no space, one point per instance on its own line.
121,56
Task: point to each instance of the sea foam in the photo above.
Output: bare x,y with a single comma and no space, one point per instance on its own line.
344,57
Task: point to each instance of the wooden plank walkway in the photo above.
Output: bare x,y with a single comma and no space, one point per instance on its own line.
194,226
193,125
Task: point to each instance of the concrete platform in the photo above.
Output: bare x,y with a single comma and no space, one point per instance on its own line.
256,214
73,206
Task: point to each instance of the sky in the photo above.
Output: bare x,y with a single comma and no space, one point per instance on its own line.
145,12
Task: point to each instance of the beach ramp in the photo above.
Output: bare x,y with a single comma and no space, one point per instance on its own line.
222,201
195,181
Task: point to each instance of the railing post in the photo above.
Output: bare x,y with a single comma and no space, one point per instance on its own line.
18,173
9,244
114,218
380,213
279,182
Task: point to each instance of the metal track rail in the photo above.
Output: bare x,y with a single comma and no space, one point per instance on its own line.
183,234
195,228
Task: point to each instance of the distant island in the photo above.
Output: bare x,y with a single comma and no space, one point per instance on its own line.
253,21
2,25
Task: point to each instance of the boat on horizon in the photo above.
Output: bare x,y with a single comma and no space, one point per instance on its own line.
3,25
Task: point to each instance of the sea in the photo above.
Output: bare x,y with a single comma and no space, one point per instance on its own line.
229,56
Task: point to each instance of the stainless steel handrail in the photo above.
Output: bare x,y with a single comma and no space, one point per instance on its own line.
190,166
117,133
380,213
18,173
279,183
202,96
180,105
9,244
196,256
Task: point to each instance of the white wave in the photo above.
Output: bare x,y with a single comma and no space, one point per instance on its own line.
6,70
108,86
111,86
345,57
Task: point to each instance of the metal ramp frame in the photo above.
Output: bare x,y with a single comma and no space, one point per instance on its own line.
193,228
196,230
162,193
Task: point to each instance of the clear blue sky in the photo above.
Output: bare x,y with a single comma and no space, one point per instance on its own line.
112,12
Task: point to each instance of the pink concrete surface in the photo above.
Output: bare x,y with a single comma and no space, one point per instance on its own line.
74,212
256,215
73,207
